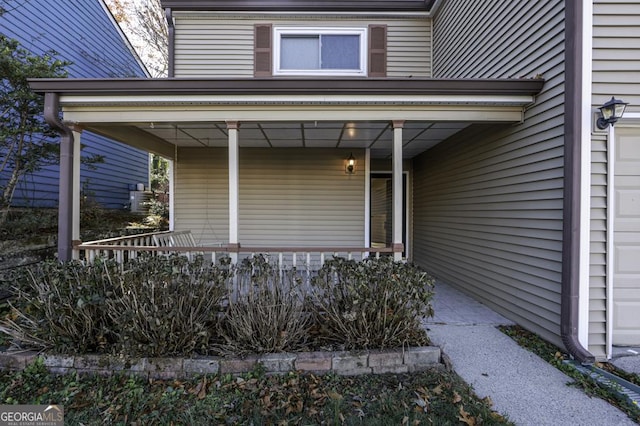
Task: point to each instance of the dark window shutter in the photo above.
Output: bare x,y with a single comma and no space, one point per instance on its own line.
262,50
377,50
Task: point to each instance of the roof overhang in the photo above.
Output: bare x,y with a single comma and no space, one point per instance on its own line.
300,5
289,86
135,110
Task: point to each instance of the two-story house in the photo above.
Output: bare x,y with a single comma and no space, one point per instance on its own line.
453,134
87,36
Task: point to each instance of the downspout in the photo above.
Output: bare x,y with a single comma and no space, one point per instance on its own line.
168,13
65,197
570,293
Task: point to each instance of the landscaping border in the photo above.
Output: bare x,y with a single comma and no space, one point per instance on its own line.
346,363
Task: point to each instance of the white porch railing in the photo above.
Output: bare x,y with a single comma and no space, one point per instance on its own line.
130,247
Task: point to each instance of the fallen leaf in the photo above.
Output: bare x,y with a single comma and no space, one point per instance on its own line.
334,395
487,400
456,397
466,418
405,420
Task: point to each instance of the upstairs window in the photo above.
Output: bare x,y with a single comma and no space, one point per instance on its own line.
320,51
327,51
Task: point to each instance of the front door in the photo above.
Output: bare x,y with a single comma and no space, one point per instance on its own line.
381,222
626,238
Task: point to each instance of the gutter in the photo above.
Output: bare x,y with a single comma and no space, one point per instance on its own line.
65,197
287,86
570,291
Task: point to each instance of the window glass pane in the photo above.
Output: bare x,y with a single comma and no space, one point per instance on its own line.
299,52
341,52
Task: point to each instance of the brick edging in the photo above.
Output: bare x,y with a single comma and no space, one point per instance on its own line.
343,363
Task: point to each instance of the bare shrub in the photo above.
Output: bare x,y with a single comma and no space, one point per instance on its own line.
266,312
62,307
167,306
374,303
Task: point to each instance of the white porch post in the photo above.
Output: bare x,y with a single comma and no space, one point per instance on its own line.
234,188
397,189
172,193
75,193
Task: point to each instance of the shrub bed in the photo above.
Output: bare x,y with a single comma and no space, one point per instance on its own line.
169,306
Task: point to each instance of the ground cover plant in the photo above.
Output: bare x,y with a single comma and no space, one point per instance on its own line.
168,306
432,397
555,356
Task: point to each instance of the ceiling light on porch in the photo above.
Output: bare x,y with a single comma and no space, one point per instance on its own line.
611,112
351,130
350,167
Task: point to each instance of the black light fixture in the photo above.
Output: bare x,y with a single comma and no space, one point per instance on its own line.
351,165
611,112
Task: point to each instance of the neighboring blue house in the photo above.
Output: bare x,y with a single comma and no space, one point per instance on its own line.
84,33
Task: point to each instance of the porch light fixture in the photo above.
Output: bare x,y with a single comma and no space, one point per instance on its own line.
611,112
351,165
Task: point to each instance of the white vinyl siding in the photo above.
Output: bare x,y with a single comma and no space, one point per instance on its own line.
615,71
208,46
488,202
288,197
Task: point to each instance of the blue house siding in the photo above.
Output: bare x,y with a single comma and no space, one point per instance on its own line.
91,41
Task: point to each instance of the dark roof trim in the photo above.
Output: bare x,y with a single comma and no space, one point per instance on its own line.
300,5
255,86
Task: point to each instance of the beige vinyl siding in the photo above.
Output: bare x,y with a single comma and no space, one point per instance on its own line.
615,72
202,194
616,52
488,202
300,197
598,248
288,197
208,46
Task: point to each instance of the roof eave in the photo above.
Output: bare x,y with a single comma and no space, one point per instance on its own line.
291,86
299,5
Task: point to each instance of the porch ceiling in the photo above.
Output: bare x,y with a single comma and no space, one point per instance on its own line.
377,136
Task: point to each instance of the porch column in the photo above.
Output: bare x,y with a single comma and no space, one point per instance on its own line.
234,187
65,197
75,215
397,189
172,200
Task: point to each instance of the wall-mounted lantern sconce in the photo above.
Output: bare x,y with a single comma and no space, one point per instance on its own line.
611,112
350,167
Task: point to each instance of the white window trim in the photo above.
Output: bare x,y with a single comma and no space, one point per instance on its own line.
361,32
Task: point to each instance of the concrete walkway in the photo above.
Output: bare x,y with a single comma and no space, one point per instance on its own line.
522,386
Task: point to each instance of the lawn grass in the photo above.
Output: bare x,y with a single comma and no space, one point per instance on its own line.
432,397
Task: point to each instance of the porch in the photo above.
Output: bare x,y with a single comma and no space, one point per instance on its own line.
262,165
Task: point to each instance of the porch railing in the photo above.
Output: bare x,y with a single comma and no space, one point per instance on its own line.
125,248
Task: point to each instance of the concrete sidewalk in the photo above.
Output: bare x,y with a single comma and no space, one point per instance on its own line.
522,386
